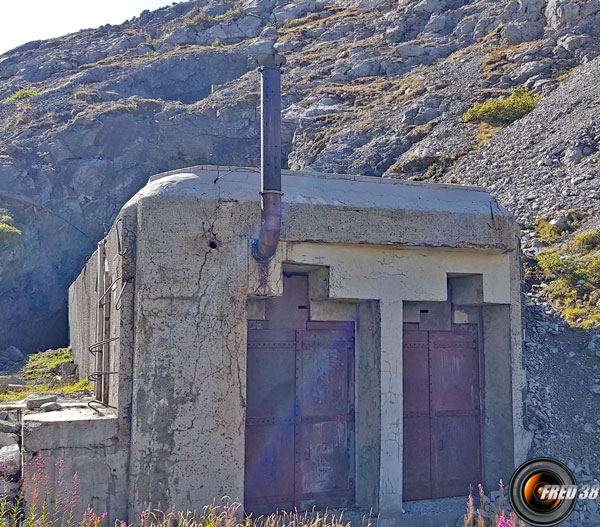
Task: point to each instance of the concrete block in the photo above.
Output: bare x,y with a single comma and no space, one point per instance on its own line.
71,428
89,446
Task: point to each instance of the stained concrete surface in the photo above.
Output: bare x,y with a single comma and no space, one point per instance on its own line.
181,353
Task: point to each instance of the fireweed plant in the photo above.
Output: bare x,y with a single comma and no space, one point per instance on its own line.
482,517
46,503
43,504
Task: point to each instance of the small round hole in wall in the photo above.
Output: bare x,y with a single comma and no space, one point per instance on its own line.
213,244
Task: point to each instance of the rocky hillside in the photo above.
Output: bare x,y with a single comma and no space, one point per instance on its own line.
370,87
375,88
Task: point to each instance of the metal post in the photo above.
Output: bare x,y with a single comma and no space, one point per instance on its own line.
100,318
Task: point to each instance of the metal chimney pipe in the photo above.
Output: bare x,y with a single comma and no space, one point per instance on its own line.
264,248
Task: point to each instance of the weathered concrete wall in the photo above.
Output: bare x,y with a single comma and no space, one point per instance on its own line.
189,351
498,434
357,209
83,300
90,446
368,403
118,300
182,351
522,437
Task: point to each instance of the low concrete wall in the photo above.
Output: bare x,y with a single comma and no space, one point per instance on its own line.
90,446
119,294
83,301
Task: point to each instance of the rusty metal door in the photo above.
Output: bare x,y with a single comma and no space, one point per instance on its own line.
442,451
270,420
324,417
300,409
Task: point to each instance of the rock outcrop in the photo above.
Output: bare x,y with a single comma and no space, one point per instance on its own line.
376,88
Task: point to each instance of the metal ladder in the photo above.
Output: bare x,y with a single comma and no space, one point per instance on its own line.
100,350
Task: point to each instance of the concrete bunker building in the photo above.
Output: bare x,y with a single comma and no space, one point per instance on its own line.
374,359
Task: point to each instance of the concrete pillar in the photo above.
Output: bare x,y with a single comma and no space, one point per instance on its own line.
390,472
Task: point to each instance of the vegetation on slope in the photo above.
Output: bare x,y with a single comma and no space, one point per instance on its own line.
499,111
21,393
43,365
20,94
574,273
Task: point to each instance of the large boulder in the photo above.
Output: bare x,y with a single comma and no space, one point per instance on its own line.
8,439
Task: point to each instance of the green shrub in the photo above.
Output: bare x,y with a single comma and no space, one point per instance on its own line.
586,241
503,111
574,280
554,264
547,231
20,94
216,43
562,292
8,232
585,317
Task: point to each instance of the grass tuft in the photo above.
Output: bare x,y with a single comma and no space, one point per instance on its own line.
20,94
21,393
485,133
550,232
587,241
498,112
200,17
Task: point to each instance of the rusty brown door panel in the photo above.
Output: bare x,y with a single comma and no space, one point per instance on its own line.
416,443
441,411
300,408
455,461
454,370
324,381
271,374
270,420
269,474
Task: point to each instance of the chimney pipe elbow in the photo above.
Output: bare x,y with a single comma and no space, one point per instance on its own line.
265,246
